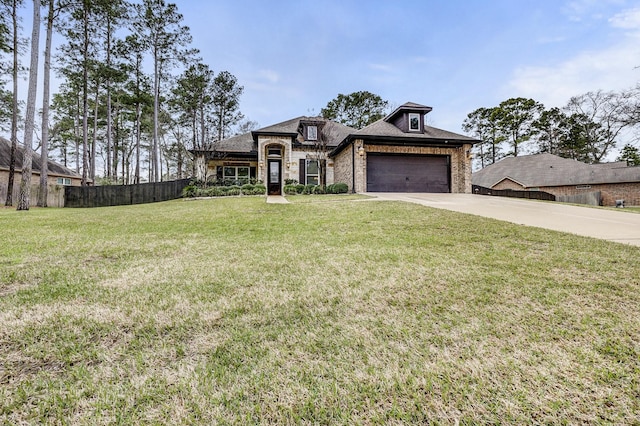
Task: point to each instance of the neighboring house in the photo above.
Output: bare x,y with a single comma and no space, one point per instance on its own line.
399,153
58,176
563,177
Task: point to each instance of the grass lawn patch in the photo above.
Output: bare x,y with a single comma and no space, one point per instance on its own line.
327,310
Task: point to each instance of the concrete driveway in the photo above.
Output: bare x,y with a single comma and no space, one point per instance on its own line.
612,225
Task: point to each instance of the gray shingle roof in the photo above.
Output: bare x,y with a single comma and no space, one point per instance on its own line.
289,127
408,106
335,132
381,128
246,143
54,169
550,170
239,143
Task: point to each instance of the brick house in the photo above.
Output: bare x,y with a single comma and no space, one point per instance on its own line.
563,177
58,176
399,153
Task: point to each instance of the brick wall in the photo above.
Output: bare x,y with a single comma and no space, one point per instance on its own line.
343,167
629,192
508,184
55,196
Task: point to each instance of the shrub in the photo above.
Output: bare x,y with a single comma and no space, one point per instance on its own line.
190,191
259,189
291,182
308,189
290,190
232,190
247,189
299,188
318,189
338,188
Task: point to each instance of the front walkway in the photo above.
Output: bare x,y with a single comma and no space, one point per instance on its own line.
618,226
276,199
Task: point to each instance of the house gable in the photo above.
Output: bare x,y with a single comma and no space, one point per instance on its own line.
409,117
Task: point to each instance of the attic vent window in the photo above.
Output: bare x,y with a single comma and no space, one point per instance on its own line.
414,122
583,186
312,133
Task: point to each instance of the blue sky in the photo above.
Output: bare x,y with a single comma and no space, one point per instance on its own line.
292,57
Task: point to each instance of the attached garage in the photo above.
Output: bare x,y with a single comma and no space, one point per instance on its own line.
408,173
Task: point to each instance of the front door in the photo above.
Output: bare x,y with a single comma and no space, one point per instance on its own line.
273,178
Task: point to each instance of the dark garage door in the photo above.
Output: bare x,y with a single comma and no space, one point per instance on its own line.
407,173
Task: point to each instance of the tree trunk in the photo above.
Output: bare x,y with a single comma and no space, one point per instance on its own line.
14,107
25,184
44,172
94,140
156,105
85,98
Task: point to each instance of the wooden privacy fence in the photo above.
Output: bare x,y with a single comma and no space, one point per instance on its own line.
532,195
119,195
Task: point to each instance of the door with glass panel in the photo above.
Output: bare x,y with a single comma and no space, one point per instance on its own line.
274,177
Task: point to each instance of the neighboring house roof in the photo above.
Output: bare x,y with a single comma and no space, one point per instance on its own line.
550,170
54,169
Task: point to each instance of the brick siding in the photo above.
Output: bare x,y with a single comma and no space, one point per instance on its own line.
610,192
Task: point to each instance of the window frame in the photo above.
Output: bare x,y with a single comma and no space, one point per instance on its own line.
236,176
411,116
64,181
307,175
312,135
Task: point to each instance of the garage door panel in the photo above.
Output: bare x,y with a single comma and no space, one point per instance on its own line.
407,173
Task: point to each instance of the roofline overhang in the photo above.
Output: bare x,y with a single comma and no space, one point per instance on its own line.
401,141
256,134
402,109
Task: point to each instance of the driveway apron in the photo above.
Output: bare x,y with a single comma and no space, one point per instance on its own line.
618,226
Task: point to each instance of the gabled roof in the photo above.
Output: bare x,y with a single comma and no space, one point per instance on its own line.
286,128
248,142
54,169
334,132
550,170
339,136
384,129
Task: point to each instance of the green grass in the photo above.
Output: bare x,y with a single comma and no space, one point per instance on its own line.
328,310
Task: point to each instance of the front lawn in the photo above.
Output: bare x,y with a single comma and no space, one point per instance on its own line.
328,310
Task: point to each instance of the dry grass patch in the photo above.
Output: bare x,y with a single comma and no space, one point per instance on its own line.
324,311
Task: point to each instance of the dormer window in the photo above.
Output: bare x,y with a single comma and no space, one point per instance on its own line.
409,118
414,122
312,133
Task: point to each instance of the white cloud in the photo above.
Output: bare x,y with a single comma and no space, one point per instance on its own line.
269,75
382,67
614,68
629,19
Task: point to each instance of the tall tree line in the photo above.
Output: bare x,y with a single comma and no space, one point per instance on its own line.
586,129
134,95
